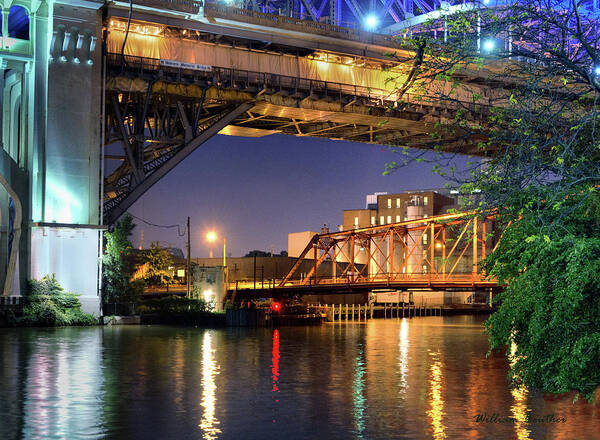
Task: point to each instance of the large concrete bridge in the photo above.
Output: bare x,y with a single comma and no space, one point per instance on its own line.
100,100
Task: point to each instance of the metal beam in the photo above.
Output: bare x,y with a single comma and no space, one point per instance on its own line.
118,210
137,174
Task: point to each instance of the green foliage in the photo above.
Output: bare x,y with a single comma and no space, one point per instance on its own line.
536,122
118,266
173,305
48,305
550,310
159,261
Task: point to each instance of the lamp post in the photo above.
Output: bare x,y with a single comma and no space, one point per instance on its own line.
211,237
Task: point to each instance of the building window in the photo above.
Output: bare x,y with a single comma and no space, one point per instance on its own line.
356,221
424,215
425,238
425,200
424,269
389,203
397,219
389,219
372,219
397,203
405,218
382,220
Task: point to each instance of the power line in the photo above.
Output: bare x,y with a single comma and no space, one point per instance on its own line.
179,232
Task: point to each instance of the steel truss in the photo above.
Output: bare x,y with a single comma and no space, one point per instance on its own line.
346,13
153,121
442,251
152,134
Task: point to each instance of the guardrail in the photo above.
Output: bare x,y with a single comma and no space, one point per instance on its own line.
257,82
246,80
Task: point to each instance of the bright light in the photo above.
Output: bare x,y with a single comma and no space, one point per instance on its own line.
208,295
486,2
211,236
371,21
438,245
488,45
276,307
597,70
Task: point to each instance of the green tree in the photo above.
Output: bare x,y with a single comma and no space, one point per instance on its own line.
521,83
159,261
118,265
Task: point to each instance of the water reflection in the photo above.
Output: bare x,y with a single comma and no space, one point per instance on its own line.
519,407
358,389
63,383
436,401
209,423
340,381
275,362
403,355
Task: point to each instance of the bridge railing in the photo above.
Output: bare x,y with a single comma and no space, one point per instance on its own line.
252,81
408,279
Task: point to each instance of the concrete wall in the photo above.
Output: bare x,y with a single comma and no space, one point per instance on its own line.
208,284
65,179
297,242
362,215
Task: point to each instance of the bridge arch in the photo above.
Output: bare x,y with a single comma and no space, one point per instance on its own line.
15,20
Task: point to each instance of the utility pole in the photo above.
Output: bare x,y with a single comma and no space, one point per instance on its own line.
254,270
189,262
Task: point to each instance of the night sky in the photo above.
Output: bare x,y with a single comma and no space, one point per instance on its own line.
254,191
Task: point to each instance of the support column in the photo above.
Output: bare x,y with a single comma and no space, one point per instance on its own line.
474,245
5,12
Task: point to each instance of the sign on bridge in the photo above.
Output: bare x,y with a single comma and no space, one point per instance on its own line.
182,65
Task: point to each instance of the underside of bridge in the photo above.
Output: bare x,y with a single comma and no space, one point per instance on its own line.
170,88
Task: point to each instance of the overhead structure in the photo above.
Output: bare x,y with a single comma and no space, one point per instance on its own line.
172,83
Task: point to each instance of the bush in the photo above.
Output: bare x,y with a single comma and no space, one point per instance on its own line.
48,305
173,305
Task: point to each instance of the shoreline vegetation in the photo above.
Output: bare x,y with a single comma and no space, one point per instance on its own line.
47,304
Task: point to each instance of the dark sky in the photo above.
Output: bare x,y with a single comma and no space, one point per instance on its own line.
254,191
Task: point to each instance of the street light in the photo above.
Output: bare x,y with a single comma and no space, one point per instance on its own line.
211,237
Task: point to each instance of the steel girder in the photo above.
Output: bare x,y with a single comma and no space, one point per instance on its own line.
347,13
150,134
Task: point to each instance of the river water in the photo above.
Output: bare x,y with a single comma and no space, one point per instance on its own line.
423,378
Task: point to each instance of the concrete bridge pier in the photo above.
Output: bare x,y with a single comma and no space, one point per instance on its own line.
50,131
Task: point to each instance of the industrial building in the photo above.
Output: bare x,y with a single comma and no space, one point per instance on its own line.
384,208
388,239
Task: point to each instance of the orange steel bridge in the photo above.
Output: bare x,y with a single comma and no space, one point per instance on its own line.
438,252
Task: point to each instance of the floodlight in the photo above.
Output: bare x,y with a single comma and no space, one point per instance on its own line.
488,45
371,21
